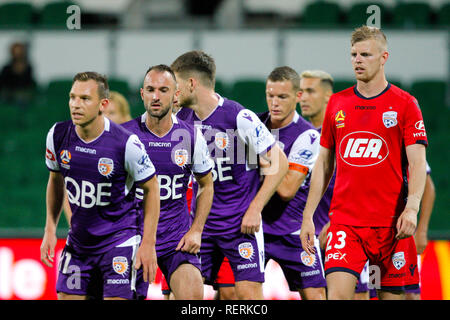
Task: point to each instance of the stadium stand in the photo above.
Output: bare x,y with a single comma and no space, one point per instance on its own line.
54,15
250,93
357,14
16,14
412,14
321,14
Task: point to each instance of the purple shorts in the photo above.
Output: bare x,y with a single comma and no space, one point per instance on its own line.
244,251
168,263
300,269
110,274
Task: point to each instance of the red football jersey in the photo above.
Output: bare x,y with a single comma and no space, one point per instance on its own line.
369,136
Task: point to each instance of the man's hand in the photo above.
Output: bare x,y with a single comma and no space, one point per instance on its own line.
251,221
146,258
406,223
307,233
48,248
191,242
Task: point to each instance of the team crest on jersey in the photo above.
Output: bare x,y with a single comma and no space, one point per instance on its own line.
120,265
222,140
246,250
105,166
339,118
390,119
181,157
398,260
308,260
66,156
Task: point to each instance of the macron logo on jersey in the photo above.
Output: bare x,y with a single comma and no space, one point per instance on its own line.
363,149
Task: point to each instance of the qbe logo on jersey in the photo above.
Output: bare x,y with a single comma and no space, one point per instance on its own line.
363,149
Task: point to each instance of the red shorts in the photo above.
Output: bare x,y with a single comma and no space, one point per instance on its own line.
392,262
225,276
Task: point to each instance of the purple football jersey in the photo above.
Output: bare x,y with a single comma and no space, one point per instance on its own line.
176,155
235,136
99,176
300,142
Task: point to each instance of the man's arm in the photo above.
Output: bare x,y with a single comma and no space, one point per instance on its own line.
54,202
146,254
406,223
274,173
290,184
191,241
426,208
320,178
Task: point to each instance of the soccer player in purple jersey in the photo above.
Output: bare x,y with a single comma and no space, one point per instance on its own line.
99,162
316,87
282,215
236,137
177,150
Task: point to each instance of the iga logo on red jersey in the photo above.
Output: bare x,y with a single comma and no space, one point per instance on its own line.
363,149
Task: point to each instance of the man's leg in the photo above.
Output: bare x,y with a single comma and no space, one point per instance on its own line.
390,295
341,285
313,293
66,296
186,283
249,290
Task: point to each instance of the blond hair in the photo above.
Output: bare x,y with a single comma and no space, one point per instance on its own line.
122,104
326,80
364,33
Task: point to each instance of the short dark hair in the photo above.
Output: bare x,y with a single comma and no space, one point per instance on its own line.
199,62
162,68
285,73
101,80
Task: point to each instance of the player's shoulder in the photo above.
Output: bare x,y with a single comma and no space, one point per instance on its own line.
118,133
344,94
184,113
183,124
401,94
301,124
132,124
61,126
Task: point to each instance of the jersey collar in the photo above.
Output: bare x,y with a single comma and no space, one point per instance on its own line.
369,98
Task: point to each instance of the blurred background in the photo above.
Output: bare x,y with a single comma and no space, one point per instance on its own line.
43,43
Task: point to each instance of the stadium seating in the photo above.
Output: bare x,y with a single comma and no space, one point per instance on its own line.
357,14
54,15
431,95
443,15
16,15
411,14
222,88
119,85
250,93
321,14
341,84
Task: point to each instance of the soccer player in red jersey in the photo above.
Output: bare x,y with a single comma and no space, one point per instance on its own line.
375,132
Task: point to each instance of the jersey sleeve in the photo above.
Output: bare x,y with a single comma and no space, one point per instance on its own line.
304,151
137,162
50,152
253,132
327,139
201,160
413,127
